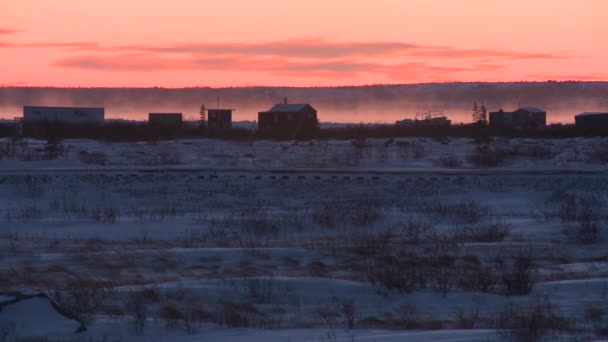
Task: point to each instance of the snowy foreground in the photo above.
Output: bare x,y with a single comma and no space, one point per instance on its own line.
208,240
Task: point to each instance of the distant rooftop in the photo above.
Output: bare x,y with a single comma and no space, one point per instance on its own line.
59,107
532,110
288,108
592,113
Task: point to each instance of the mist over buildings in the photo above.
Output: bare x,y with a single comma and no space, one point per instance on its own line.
374,103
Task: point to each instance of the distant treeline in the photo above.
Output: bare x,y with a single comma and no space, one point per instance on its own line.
132,131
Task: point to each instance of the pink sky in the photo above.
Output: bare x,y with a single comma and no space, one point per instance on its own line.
182,43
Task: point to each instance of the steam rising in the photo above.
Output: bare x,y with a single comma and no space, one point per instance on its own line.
561,100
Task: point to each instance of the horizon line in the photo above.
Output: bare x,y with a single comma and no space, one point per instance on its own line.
303,87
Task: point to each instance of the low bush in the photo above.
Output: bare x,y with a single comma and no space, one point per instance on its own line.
390,273
581,216
359,213
489,156
171,314
136,307
518,278
370,242
239,315
413,231
259,291
450,162
466,212
479,277
531,324
485,231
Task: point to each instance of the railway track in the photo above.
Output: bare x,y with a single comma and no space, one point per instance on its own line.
312,171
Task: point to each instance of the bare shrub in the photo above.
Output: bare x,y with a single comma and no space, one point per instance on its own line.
406,316
348,311
7,332
537,151
105,215
581,216
255,220
467,320
171,314
325,216
589,229
488,156
365,212
24,213
413,231
370,242
466,212
518,278
328,314
450,162
485,231
479,278
391,273
92,158
238,315
594,313
530,324
168,157
259,291
442,278
53,149
136,308
599,154
362,212
82,297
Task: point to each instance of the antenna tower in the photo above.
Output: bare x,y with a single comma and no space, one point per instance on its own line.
203,113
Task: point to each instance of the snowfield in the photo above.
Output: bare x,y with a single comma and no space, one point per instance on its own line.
378,240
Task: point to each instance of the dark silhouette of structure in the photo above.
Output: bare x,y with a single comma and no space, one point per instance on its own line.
63,115
592,121
289,120
165,119
56,122
218,119
523,118
426,119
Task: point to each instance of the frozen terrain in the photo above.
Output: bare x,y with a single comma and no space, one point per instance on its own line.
379,240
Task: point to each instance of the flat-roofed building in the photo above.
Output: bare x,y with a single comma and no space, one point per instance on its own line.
63,115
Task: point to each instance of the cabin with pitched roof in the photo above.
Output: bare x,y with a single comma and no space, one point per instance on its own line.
289,119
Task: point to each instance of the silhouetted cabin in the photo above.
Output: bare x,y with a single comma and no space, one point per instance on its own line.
523,118
165,119
219,118
592,121
289,120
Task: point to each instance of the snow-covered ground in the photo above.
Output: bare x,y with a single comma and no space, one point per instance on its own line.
319,256
389,154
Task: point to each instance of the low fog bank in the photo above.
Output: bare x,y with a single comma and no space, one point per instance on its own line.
373,104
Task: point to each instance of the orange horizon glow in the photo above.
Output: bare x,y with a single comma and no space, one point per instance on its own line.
187,43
